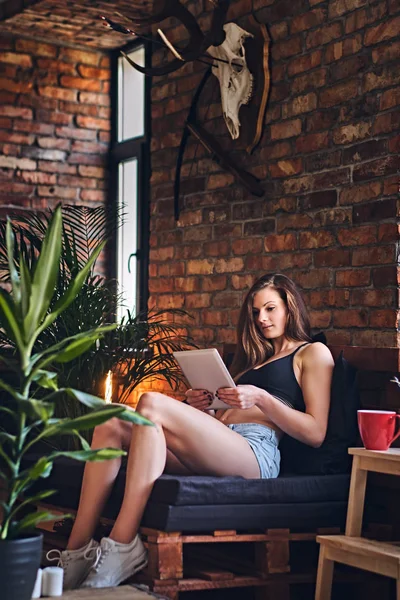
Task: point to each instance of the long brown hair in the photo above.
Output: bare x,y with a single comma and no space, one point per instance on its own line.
252,348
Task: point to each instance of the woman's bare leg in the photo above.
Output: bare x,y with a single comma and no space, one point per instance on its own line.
99,478
200,442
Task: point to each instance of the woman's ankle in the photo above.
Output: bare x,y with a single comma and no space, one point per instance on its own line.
78,543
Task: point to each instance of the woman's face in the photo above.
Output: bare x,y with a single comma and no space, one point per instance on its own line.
270,313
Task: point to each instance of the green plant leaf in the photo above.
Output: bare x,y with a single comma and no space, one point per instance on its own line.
36,408
30,521
42,468
45,276
15,282
90,455
26,286
85,421
74,350
9,320
73,289
45,379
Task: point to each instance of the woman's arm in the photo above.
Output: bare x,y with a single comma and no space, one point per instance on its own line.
316,377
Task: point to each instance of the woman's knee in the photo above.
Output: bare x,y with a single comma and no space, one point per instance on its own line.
150,404
111,430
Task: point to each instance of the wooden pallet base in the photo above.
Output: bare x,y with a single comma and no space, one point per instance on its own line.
182,563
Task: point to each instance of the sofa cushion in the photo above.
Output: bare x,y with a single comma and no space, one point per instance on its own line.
199,503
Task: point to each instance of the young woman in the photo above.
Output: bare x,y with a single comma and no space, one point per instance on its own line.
283,387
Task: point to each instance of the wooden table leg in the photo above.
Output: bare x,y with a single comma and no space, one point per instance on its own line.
323,588
355,509
398,589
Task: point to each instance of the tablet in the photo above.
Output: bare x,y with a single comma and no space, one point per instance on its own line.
205,370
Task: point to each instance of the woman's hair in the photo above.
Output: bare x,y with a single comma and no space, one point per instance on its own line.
252,347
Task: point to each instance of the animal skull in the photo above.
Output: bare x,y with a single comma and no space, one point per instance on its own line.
234,77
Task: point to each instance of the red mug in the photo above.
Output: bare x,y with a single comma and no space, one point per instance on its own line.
377,428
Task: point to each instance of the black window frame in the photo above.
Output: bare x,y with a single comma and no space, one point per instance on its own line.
138,148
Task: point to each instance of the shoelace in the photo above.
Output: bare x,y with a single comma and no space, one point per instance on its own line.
62,560
101,553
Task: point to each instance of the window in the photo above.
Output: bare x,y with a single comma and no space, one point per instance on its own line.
130,176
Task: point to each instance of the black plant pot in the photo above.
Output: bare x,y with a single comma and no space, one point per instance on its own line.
19,562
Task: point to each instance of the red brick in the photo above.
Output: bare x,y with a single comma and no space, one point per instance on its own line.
340,7
312,142
374,255
58,192
286,129
388,232
386,53
304,62
387,122
76,133
286,48
58,118
383,318
333,257
299,105
38,178
74,181
89,147
386,77
33,127
391,186
227,299
54,143
325,199
96,172
293,222
309,81
93,73
323,35
307,20
279,30
285,168
388,29
200,267
357,236
320,319
350,318
16,138
352,277
80,56
216,248
280,243
390,98
161,285
342,48
378,297
360,193
77,83
338,93
316,278
220,180
59,93
8,162
216,317
376,168
22,60
316,239
332,297
56,167
214,283
375,211
365,151
56,65
35,48
197,301
86,159
92,98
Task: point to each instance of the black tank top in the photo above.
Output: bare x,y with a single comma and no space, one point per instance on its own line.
277,377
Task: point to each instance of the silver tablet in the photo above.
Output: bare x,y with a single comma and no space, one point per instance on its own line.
205,370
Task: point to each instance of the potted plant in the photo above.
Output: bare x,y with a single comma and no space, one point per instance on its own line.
140,347
26,417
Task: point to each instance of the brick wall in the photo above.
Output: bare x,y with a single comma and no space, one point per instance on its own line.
54,124
328,160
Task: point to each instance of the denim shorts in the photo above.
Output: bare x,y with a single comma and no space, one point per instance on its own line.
264,442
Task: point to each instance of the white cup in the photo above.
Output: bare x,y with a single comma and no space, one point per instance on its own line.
52,581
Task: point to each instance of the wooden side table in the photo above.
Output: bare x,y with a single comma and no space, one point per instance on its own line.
351,549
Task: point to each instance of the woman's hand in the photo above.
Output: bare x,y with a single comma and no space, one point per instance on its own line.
242,396
200,399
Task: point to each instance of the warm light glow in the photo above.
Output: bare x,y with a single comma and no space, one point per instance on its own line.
108,390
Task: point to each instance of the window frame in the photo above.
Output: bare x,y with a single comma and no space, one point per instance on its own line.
138,148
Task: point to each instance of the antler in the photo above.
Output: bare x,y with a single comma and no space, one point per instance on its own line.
198,42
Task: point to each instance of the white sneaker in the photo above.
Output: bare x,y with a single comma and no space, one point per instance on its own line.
116,562
76,563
